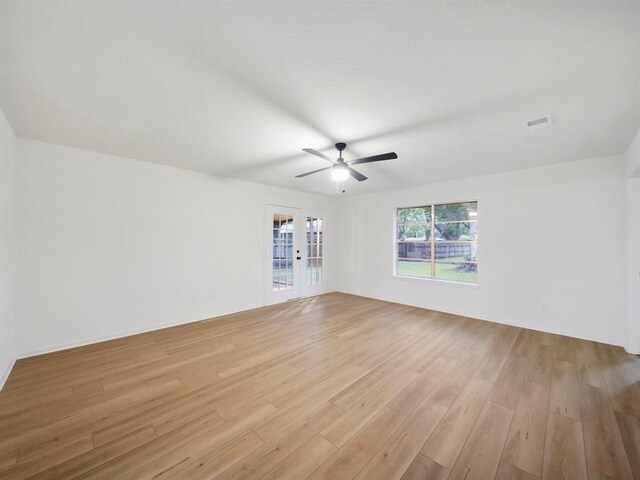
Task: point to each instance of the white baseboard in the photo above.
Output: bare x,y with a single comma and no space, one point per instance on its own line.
5,374
125,333
539,328
136,331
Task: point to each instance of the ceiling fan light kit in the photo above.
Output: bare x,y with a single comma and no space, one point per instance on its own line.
339,172
341,169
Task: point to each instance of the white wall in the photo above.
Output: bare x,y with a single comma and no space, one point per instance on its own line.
633,246
7,248
553,234
111,246
633,265
633,157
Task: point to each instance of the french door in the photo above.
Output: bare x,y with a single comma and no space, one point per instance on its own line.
295,254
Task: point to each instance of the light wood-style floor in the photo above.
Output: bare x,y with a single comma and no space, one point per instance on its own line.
332,387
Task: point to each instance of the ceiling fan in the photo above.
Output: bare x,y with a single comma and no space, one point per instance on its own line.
341,169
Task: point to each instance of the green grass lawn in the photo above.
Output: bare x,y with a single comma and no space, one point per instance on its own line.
444,271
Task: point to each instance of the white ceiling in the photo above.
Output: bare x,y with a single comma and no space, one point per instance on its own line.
238,88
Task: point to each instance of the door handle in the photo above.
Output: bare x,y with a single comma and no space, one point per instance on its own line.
298,258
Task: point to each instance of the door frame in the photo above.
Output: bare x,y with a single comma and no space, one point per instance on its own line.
319,289
300,229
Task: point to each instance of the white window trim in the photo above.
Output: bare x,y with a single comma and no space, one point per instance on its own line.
410,278
451,283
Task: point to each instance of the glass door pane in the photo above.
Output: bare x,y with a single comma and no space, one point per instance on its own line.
282,276
314,271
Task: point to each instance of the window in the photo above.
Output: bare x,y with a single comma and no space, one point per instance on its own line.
438,241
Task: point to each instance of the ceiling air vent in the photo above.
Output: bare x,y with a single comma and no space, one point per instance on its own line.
538,123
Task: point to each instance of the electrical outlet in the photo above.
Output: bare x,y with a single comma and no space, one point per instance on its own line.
545,307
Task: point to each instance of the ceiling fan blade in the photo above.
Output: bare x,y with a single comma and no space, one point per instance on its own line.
318,154
357,175
374,158
312,172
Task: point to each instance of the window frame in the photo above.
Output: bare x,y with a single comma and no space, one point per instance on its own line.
413,278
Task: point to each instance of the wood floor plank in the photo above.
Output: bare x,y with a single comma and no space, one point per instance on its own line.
588,366
299,384
403,392
371,380
540,362
408,399
448,389
353,456
344,427
525,343
629,427
48,434
509,472
423,468
480,456
399,451
165,452
216,461
288,418
524,447
498,354
593,475
98,456
267,457
446,442
9,457
508,384
430,349
302,462
603,442
563,395
163,419
26,468
621,378
563,349
564,457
